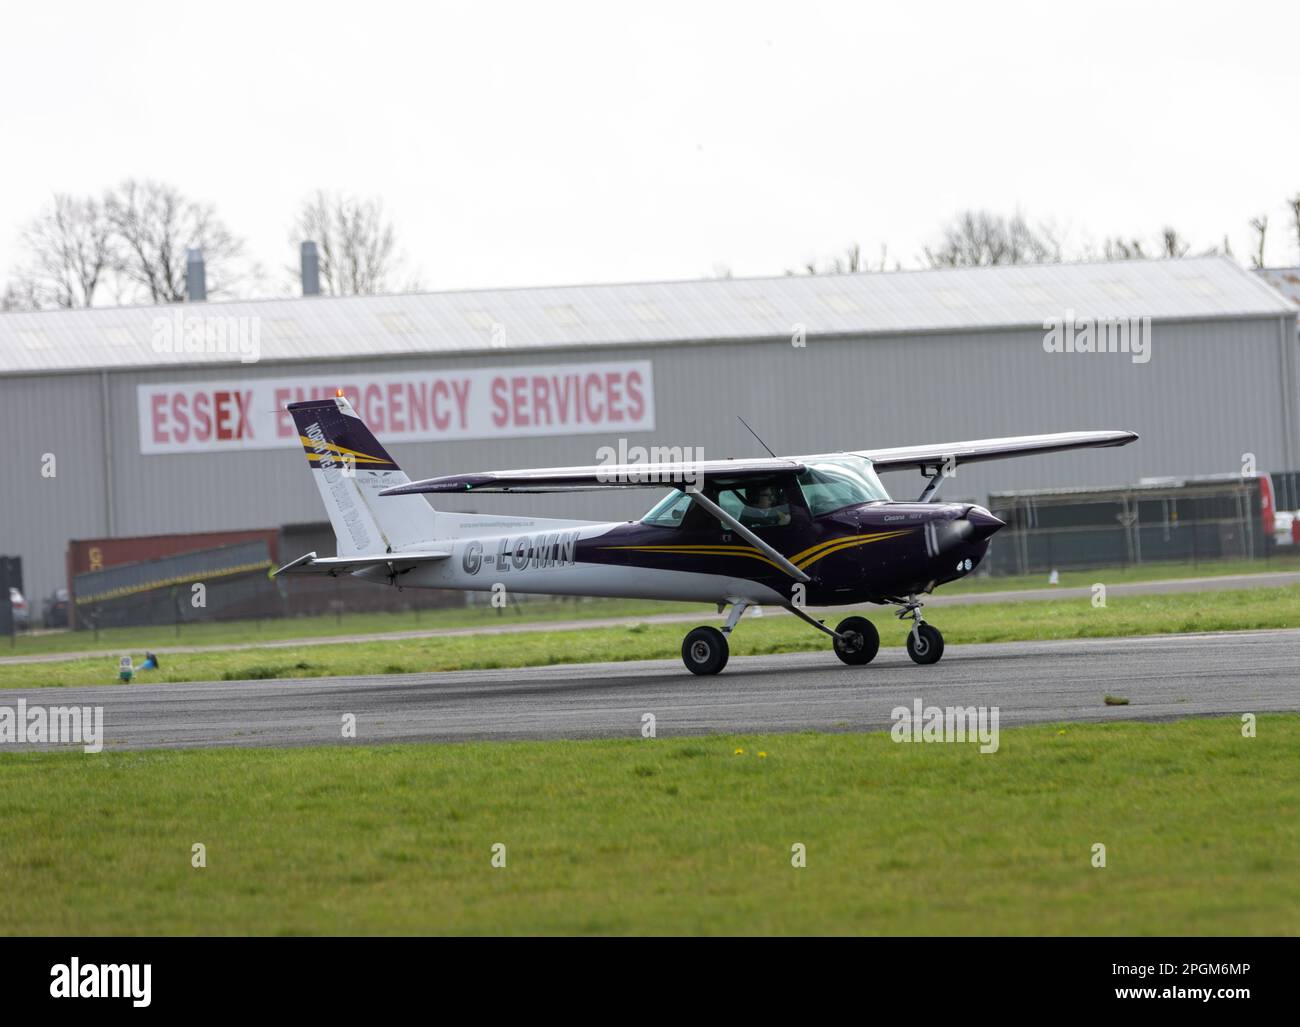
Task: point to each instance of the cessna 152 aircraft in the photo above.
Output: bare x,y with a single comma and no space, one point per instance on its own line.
788,531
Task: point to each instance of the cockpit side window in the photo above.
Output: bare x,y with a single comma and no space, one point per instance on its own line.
757,506
670,511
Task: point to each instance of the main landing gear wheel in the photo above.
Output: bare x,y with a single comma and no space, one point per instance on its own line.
924,643
705,651
860,641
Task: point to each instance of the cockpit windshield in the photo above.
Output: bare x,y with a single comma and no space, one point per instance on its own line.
834,482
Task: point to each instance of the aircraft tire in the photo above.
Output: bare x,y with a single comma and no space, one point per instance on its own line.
705,651
924,644
868,641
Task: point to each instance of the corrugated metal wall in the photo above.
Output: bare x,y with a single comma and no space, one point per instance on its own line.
60,415
1211,392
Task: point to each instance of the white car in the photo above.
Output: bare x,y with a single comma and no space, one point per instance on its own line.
1282,522
22,616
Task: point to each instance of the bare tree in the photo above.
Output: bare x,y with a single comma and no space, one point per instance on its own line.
979,238
1294,204
70,252
1260,227
1051,239
1118,248
1172,243
850,261
156,225
356,242
20,295
1169,244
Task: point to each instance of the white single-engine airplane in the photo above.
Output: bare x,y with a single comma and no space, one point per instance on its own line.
789,531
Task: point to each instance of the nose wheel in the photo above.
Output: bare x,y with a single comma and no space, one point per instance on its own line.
924,642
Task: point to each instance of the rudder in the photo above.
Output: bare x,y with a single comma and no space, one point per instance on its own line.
351,468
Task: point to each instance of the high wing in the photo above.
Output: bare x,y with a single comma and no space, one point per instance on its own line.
928,457
658,475
392,563
582,479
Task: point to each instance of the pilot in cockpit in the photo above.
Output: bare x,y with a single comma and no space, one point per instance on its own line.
765,505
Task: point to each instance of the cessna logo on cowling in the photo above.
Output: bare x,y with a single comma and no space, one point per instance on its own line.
478,403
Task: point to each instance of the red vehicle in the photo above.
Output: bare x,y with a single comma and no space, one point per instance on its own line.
1267,505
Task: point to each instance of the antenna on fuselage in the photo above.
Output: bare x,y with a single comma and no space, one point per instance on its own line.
755,434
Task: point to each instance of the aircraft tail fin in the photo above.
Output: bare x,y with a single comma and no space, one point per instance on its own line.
351,468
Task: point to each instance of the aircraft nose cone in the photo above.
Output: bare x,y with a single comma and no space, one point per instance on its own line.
984,523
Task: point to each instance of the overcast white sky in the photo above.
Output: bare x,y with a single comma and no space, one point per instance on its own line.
543,143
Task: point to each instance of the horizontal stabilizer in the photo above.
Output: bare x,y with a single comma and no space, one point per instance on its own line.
391,563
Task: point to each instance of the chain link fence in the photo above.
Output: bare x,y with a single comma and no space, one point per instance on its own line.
1184,522
232,582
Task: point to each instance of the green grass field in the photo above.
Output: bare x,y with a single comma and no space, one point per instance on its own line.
542,610
692,836
992,622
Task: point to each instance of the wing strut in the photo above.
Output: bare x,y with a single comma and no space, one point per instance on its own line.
772,554
933,480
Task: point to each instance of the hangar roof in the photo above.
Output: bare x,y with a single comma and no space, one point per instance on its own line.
652,313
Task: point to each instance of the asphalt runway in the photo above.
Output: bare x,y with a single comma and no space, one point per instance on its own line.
1163,677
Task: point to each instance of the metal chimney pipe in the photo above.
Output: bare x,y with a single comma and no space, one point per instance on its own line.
310,269
196,282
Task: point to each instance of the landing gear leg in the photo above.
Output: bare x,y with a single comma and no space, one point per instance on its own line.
856,639
924,642
738,609
815,623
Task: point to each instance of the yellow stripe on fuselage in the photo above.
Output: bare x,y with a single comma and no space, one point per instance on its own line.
803,560
824,548
848,543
